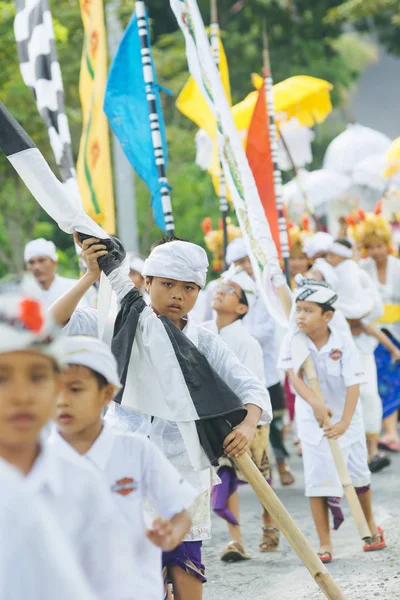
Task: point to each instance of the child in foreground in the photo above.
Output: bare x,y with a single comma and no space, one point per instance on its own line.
155,360
340,374
233,297
136,471
74,493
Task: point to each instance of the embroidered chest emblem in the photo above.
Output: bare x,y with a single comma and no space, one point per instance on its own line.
124,486
335,354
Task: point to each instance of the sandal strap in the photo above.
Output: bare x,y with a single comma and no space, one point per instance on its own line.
267,528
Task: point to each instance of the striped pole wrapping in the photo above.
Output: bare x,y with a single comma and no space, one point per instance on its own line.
153,117
223,202
269,96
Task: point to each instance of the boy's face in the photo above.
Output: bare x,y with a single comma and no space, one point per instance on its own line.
28,389
298,264
226,299
136,278
333,259
245,264
171,298
377,250
310,318
81,400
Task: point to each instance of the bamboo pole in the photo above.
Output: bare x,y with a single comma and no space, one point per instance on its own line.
223,202
345,479
293,534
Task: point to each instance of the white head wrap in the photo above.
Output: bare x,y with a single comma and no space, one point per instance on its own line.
236,250
136,263
319,242
327,272
311,290
94,354
341,250
244,281
26,325
40,247
182,261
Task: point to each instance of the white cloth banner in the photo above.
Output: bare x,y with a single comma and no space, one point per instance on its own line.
249,210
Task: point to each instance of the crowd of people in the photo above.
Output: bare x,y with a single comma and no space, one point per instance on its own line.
105,405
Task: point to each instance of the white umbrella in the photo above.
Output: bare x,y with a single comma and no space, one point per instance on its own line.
322,187
352,146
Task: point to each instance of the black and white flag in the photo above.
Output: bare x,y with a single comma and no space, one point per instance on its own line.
40,69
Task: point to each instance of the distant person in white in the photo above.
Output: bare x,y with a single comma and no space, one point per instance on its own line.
41,260
36,561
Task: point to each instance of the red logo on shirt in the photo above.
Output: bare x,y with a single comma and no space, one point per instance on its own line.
336,354
124,486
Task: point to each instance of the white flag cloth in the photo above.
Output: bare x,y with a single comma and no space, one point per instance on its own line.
249,210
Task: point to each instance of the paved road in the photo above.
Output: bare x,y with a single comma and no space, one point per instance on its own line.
281,576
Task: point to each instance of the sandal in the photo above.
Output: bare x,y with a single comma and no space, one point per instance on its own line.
234,552
392,446
285,474
325,557
378,462
270,539
377,542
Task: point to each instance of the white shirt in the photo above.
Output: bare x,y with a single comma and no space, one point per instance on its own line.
36,561
58,288
79,499
136,473
338,366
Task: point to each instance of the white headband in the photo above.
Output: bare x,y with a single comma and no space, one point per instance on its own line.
40,247
319,292
135,262
25,325
236,250
244,281
340,250
319,242
94,354
182,261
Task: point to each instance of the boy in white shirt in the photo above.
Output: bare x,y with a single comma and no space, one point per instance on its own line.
72,490
36,561
136,471
340,374
188,374
234,296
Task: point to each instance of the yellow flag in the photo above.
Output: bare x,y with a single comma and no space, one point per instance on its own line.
94,167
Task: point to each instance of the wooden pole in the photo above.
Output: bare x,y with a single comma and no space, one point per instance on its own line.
293,534
223,202
345,479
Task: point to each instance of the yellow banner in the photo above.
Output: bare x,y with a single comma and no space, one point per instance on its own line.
94,167
391,314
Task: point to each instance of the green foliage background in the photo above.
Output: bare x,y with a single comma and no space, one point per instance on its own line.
304,37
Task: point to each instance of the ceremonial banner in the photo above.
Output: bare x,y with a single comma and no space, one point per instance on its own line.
94,167
40,69
139,128
258,152
249,210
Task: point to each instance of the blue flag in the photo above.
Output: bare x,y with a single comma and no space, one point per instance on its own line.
126,107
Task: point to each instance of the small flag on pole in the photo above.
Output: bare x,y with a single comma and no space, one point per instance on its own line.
40,69
94,166
133,107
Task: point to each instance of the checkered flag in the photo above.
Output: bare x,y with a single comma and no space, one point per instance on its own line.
41,72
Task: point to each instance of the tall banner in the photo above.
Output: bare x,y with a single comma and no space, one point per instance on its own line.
249,210
94,166
40,70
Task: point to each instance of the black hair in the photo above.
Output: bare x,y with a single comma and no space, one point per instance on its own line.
165,240
243,300
101,380
326,308
344,242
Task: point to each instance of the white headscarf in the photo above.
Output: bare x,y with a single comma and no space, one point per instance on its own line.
136,263
319,242
182,261
40,247
236,250
311,290
244,281
341,250
26,325
94,354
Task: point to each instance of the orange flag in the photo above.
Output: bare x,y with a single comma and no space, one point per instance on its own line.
258,153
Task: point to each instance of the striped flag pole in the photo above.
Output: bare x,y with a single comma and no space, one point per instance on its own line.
159,158
269,96
223,202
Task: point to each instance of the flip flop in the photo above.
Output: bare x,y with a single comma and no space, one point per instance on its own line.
377,542
325,557
234,552
379,462
391,446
